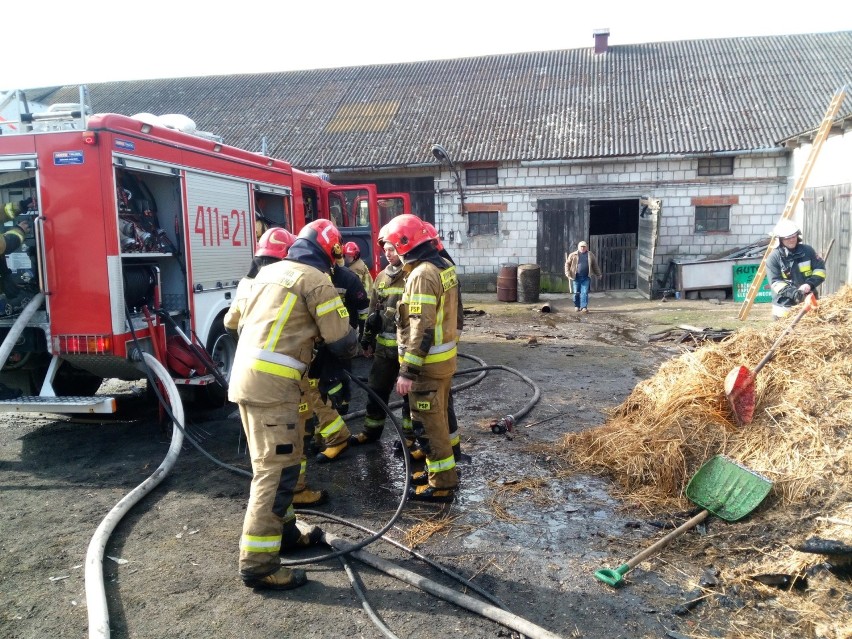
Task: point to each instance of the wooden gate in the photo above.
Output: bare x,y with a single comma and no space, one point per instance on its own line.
827,216
561,223
616,255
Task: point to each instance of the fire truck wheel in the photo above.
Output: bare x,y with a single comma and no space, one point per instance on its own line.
222,349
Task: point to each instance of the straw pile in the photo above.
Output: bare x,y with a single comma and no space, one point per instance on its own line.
675,421
658,438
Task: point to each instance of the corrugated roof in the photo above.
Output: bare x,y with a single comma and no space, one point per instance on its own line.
692,96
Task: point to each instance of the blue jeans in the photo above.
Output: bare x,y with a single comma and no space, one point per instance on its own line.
581,291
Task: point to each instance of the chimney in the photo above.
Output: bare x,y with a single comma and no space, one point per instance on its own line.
601,40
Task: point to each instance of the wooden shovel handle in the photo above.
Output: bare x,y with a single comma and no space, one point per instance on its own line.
810,302
650,550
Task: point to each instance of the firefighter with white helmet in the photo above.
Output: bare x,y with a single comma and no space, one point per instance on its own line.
426,338
292,305
793,268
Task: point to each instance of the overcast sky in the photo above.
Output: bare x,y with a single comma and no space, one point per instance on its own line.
99,40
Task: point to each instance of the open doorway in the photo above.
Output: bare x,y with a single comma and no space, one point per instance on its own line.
613,238
610,226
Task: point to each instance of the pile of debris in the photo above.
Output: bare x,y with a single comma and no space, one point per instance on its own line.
690,336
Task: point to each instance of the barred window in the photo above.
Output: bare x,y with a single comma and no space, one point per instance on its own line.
716,166
482,223
480,177
712,218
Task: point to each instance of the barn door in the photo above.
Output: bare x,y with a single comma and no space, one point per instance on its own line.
650,211
828,216
561,224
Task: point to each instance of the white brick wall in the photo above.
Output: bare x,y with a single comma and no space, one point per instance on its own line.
760,182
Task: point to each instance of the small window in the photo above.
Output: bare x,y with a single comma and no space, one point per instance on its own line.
480,177
482,223
716,166
712,218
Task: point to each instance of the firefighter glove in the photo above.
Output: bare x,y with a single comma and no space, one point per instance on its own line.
374,323
338,400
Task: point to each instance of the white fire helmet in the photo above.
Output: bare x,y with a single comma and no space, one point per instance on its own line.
785,229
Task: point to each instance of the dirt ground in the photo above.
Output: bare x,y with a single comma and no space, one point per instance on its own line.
170,566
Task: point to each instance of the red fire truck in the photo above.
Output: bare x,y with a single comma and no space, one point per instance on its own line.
139,233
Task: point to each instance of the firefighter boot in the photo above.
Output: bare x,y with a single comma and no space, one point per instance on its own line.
369,436
300,535
421,477
282,579
330,453
307,497
397,445
432,494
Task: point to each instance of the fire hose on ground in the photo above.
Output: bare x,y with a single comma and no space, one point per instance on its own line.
96,597
96,602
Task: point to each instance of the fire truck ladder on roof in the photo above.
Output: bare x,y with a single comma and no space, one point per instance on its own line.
795,197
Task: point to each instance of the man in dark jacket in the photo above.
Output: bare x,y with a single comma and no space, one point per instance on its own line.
794,269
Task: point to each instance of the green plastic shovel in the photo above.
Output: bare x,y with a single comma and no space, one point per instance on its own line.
721,486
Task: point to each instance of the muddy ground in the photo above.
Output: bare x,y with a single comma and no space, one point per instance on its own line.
170,569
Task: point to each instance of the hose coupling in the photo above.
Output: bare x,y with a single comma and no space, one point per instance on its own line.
503,425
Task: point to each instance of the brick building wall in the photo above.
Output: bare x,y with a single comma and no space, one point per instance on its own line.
756,192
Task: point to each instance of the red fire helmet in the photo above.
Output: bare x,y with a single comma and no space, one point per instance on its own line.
351,249
405,232
324,234
433,234
275,243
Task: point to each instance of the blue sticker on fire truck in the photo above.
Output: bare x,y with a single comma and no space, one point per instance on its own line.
125,144
62,158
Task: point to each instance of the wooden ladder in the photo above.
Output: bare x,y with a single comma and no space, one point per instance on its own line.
795,197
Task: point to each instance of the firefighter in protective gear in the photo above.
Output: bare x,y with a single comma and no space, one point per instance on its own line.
272,247
12,239
455,437
793,268
292,305
379,342
329,386
426,339
352,261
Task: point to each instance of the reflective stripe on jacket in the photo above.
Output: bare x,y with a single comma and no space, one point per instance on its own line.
427,321
386,294
290,306
793,268
359,267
